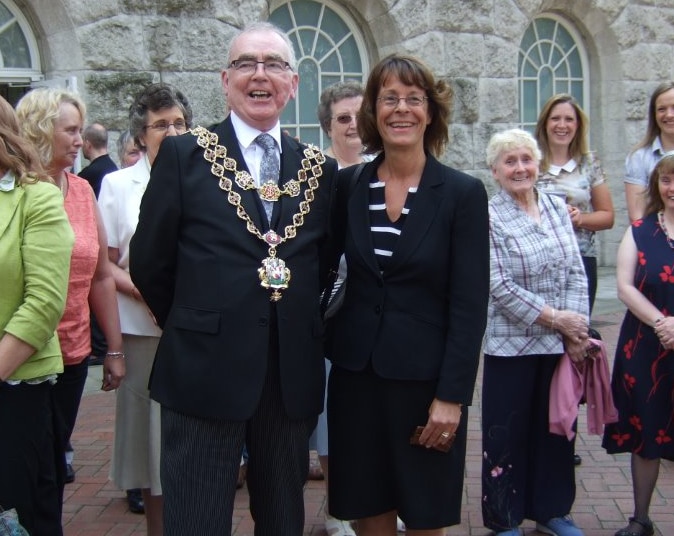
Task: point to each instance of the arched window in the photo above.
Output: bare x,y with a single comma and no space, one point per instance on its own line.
19,57
329,49
551,61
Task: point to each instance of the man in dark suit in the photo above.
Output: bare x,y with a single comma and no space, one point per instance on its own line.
95,149
231,264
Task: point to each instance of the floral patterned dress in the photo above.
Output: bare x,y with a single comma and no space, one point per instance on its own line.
643,371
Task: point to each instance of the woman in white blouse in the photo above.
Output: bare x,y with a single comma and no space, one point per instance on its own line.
157,112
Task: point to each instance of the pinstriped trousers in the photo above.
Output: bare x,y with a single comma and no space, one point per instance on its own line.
200,464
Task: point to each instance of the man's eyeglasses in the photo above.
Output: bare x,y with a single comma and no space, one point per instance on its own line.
250,66
391,101
345,119
162,126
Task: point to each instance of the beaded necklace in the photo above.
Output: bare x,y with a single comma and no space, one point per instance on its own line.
661,222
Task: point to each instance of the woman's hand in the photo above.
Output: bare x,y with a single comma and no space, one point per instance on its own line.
576,350
114,370
664,329
443,420
572,325
576,216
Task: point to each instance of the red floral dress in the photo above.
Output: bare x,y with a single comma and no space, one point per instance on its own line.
643,371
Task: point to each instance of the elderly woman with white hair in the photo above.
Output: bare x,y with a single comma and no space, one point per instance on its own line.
538,309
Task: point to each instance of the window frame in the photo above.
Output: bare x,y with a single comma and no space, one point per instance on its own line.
578,42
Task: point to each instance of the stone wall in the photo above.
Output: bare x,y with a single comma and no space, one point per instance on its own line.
115,47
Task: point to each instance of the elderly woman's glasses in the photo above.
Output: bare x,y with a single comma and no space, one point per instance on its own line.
391,101
180,126
250,66
345,119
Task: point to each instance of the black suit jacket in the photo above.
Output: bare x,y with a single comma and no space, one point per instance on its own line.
96,170
196,266
424,318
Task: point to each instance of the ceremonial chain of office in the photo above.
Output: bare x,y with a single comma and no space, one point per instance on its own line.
273,273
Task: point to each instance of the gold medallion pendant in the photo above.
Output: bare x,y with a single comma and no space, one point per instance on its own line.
273,274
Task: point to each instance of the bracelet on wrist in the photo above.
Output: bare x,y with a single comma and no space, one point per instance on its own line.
552,322
115,355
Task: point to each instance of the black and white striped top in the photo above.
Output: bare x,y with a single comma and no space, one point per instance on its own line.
385,233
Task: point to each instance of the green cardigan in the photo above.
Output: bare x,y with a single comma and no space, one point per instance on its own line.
36,242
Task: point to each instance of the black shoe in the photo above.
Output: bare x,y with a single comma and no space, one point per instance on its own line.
135,499
70,474
577,460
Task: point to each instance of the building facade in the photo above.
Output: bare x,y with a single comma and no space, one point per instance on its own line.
503,58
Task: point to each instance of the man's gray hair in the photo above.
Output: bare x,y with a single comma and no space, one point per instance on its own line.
263,26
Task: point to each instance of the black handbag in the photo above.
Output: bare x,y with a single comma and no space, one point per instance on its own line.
335,290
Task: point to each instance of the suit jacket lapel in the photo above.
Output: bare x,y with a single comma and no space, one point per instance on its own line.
250,199
291,161
359,215
421,215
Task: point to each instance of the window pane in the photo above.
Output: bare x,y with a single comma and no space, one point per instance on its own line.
562,86
564,39
529,39
562,70
307,41
323,48
331,63
545,28
306,13
550,62
529,70
350,56
577,90
309,73
327,54
545,49
310,134
281,17
529,102
327,80
14,48
333,25
545,85
288,117
575,65
557,56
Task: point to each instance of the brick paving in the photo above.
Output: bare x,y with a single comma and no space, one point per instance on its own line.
94,507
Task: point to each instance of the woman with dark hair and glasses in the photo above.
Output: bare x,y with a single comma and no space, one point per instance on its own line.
407,338
158,111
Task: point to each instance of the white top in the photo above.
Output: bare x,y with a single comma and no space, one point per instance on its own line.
119,203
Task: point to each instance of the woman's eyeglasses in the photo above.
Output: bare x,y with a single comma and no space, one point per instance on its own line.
345,119
162,126
391,101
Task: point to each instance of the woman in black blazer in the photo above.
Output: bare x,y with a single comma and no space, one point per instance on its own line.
407,338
